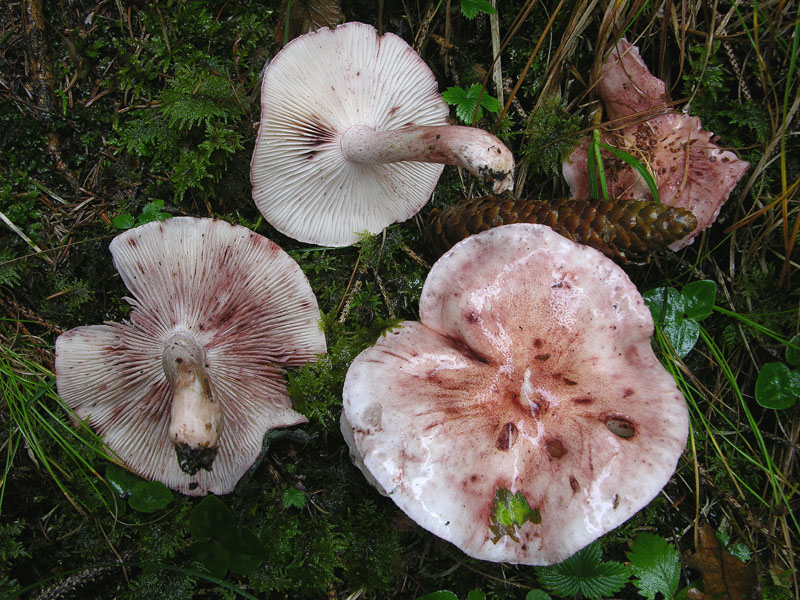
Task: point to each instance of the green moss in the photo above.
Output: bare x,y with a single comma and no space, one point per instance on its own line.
550,136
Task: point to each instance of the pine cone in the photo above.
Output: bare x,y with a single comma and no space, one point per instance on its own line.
628,230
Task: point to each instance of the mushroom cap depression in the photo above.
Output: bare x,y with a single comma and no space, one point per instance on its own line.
530,371
246,303
316,87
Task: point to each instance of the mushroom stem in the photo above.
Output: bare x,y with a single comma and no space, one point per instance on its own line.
474,149
196,423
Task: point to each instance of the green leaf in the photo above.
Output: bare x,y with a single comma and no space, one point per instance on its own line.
440,595
214,556
149,496
738,549
509,512
656,566
699,298
777,386
294,497
221,546
466,101
584,573
476,595
668,308
246,554
123,221
152,212
682,334
537,595
211,519
121,480
793,351
144,496
471,8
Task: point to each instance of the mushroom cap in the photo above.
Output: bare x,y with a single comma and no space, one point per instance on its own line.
626,85
530,370
241,297
691,171
316,87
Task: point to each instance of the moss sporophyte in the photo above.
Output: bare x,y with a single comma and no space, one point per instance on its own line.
510,511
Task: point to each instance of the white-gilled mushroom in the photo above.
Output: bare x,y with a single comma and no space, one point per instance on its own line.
198,370
691,171
529,383
353,137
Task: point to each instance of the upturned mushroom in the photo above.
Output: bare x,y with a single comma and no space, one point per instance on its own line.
524,414
354,135
184,391
691,171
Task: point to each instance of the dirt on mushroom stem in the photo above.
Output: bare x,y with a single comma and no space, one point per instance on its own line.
196,421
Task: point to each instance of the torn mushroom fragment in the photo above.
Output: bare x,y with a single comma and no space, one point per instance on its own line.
353,137
691,171
184,391
525,414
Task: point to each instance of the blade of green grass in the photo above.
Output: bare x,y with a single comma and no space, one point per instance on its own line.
39,417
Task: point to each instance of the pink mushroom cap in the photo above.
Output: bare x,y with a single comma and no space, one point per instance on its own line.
246,306
530,371
691,171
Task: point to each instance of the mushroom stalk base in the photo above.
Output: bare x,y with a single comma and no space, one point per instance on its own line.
474,149
196,422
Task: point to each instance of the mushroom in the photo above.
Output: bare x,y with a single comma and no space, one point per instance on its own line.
353,137
691,171
527,388
198,370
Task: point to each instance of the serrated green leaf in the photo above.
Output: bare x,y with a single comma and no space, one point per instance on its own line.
123,221
471,8
294,497
152,212
537,595
777,386
699,298
656,566
584,573
466,101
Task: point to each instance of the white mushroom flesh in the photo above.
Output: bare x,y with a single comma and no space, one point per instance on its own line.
476,150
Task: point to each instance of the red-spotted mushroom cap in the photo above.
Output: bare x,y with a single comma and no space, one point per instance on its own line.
691,171
353,136
529,387
198,370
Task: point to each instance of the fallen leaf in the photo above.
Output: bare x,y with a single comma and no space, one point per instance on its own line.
725,577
